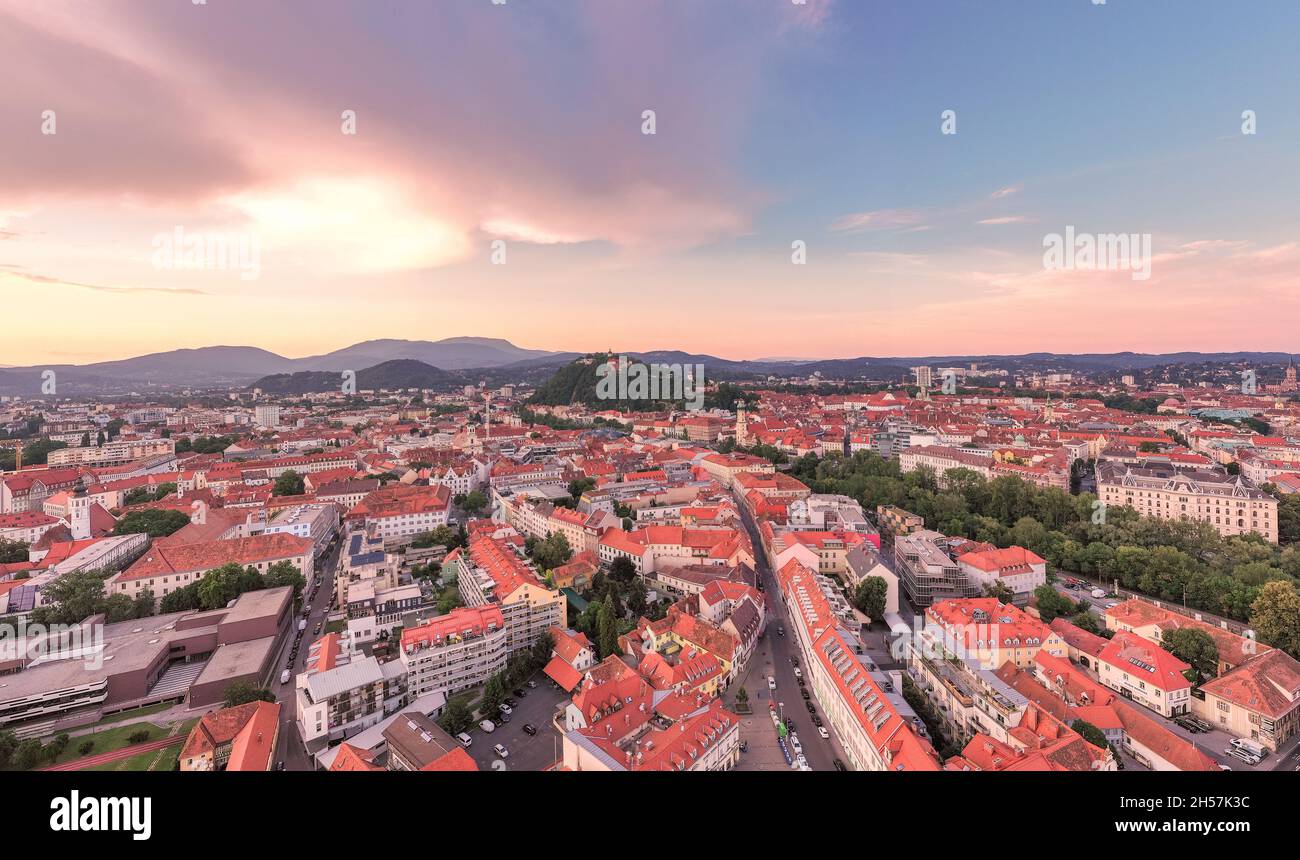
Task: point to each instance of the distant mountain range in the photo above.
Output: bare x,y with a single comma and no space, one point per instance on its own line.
472,359
238,366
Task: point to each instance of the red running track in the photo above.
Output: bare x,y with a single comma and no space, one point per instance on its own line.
115,755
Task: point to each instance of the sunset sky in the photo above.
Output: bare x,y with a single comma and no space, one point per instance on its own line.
775,121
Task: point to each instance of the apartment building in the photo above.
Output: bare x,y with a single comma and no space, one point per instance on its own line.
26,527
490,572
875,726
456,651
969,697
1230,503
346,494
316,523
1146,673
1014,567
112,453
27,491
992,633
940,459
827,512
540,519
342,694
398,513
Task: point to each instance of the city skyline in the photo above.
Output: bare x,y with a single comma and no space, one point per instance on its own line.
776,123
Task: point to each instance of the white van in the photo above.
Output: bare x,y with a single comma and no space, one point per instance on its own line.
284,677
1253,747
464,739
488,726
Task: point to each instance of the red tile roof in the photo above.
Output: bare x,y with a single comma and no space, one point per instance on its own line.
163,559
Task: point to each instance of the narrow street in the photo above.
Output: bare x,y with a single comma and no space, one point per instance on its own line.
290,748
772,657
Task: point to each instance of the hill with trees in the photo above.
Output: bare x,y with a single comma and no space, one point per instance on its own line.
396,374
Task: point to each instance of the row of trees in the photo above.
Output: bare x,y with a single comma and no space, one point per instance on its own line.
204,444
155,522
140,495
73,597
441,536
223,584
1174,560
31,753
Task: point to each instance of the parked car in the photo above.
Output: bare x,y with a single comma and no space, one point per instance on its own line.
530,729
817,721
510,703
797,673
284,677
519,692
488,726
1246,756
532,685
465,740
800,681
839,765
810,707
804,692
821,730
505,709
780,631
500,749
771,682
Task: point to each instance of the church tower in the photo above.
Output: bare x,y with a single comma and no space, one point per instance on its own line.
742,426
79,511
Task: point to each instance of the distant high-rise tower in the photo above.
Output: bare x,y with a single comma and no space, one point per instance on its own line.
924,378
266,415
79,511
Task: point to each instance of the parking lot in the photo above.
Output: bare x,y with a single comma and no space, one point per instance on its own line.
526,752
